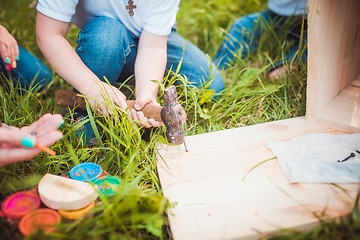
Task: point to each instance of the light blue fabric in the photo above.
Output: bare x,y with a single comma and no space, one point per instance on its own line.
288,7
29,70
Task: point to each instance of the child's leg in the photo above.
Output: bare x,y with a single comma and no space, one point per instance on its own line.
30,71
242,38
195,64
107,48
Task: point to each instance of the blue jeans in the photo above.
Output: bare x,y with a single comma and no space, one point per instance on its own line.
108,49
243,37
30,71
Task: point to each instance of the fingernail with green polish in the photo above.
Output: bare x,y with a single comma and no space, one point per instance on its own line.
60,125
18,57
7,60
27,142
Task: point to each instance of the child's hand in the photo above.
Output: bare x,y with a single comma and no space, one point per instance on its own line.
18,144
101,93
137,115
9,50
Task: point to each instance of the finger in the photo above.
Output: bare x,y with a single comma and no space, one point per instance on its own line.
11,155
16,138
155,123
103,110
45,124
12,51
119,100
4,53
134,115
50,138
143,120
5,57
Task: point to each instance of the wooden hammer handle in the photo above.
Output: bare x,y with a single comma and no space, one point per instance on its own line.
71,99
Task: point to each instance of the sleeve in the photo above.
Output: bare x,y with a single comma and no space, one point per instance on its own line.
61,10
162,17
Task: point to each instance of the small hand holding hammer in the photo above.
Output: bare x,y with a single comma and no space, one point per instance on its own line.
172,114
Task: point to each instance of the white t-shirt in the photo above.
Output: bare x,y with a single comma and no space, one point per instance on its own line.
288,7
154,16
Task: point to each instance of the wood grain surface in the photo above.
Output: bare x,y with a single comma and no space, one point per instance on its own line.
63,193
221,193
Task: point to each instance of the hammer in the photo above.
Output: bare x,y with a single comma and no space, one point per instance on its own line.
172,114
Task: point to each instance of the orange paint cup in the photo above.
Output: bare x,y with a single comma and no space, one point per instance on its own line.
43,219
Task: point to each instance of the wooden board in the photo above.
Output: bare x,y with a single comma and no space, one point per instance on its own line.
343,112
63,193
333,63
214,201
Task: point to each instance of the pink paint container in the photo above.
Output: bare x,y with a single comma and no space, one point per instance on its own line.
19,204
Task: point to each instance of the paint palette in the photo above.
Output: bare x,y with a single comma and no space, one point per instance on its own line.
85,172
64,193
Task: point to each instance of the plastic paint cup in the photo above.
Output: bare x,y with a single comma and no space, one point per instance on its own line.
43,219
85,172
75,214
19,204
108,185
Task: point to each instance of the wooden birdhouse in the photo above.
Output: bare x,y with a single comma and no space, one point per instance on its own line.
230,186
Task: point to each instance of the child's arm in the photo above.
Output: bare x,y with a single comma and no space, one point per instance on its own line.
149,66
63,58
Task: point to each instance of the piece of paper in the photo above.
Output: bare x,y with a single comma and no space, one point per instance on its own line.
320,158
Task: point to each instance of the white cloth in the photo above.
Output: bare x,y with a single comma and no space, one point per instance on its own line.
288,7
154,16
313,158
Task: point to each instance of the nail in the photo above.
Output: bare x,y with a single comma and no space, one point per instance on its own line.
9,67
33,133
18,57
60,125
351,155
7,60
27,142
13,64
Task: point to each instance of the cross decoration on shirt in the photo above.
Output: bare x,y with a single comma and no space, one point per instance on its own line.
131,7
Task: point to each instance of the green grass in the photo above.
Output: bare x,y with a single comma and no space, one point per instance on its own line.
138,211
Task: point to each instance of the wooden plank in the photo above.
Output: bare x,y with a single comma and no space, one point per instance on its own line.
344,111
214,201
333,52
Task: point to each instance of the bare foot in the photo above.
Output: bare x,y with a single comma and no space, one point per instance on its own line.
280,72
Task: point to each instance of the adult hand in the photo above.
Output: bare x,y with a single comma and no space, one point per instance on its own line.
139,116
9,50
12,139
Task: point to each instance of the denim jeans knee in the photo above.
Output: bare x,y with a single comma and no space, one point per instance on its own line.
241,39
195,64
107,48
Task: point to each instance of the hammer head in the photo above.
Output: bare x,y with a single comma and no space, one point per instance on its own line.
173,115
